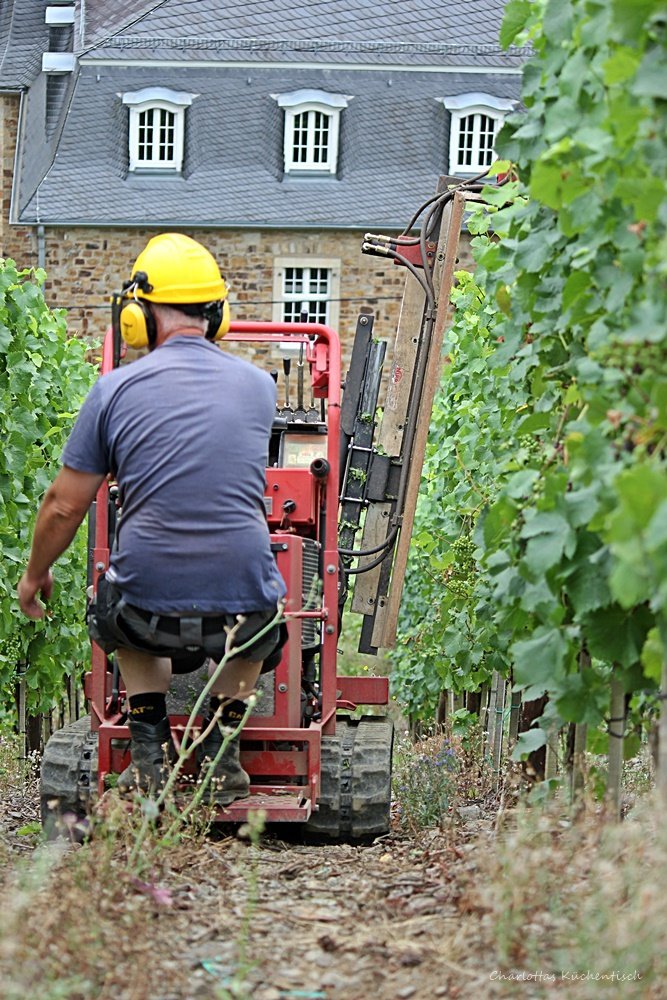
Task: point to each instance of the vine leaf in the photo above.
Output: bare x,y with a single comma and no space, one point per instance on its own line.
617,635
527,742
538,662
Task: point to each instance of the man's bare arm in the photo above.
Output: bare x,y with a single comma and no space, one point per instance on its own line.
63,509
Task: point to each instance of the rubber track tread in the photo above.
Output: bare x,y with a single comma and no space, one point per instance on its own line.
370,781
61,763
371,777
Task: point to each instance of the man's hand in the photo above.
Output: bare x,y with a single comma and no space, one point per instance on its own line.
61,512
28,589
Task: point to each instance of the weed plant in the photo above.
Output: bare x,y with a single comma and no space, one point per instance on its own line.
424,782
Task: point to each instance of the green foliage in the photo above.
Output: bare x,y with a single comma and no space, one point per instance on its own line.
43,379
549,440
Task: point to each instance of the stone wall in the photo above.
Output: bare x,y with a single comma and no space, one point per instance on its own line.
15,241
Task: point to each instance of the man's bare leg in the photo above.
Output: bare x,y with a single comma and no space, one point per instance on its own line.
142,672
237,678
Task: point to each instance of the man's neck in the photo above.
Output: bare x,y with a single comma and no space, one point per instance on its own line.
181,331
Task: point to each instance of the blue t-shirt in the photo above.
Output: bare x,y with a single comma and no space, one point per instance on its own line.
185,431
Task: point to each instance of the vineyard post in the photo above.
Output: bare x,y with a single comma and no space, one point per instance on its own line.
577,763
21,709
491,714
615,756
498,728
71,696
552,755
515,715
441,712
484,712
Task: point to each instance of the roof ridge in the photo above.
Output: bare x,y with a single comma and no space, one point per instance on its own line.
132,20
307,45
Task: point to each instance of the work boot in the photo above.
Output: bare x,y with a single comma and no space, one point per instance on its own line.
150,749
229,781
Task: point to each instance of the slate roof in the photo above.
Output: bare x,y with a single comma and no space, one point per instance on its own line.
23,38
394,133
387,31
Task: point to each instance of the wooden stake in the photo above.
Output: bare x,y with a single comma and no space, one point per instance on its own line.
616,731
441,711
452,219
497,749
485,695
552,756
578,754
22,717
515,715
491,714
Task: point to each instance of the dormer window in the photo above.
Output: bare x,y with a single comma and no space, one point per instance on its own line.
156,135
476,120
312,123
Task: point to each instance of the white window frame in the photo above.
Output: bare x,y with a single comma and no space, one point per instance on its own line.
332,297
157,99
311,103
477,106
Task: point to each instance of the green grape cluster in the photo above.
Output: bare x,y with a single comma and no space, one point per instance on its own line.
633,357
11,649
531,445
461,575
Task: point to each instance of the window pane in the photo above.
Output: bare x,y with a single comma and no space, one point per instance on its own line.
319,281
466,137
313,282
291,312
486,136
300,138
156,136
320,137
165,151
294,281
145,142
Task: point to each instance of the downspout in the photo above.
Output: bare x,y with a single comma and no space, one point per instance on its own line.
41,247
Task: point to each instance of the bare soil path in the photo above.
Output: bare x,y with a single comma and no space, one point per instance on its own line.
223,919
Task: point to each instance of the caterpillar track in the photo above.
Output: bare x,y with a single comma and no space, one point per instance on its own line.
68,780
355,795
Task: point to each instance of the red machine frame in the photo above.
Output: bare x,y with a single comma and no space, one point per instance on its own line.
285,783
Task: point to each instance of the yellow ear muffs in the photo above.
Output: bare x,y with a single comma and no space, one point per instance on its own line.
225,320
217,314
137,326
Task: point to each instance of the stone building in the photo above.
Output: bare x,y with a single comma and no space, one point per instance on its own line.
276,133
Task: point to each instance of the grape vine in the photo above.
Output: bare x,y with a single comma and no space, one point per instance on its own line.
43,378
549,439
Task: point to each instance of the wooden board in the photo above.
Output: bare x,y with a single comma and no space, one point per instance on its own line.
450,235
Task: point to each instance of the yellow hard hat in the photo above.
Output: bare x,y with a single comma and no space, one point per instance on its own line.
173,269
178,270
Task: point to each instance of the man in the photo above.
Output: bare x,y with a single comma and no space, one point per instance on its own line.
184,430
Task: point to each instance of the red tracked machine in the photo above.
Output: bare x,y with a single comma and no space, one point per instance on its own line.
310,762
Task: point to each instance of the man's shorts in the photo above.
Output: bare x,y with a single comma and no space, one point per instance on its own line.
187,640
